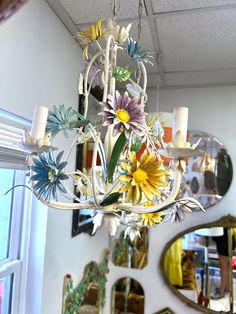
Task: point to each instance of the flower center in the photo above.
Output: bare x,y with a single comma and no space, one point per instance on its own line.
140,176
52,173
122,115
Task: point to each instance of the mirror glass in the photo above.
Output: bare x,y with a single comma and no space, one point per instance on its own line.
199,265
130,253
127,297
209,175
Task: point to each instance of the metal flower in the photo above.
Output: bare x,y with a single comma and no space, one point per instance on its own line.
152,219
134,90
120,33
86,37
178,210
48,174
132,231
145,175
110,221
136,52
125,113
153,131
61,120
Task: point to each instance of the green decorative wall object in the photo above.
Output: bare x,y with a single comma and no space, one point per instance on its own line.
74,297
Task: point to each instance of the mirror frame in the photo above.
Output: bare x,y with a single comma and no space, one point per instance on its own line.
226,222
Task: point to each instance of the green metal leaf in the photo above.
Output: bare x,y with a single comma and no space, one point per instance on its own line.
117,149
121,74
110,199
136,146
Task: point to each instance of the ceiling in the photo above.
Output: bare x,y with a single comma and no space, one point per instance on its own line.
193,41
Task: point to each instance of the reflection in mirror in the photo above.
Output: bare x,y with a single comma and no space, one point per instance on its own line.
198,265
209,175
127,297
130,253
91,300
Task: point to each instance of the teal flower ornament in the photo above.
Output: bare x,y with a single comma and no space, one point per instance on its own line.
59,119
48,174
137,52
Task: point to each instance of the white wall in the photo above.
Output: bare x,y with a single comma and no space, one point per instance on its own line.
39,64
212,110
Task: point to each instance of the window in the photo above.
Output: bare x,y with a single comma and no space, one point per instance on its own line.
14,215
12,229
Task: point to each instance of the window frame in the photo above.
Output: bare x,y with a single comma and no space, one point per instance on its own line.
17,261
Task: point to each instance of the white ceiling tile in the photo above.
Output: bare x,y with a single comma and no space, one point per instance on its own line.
221,77
87,11
198,41
175,5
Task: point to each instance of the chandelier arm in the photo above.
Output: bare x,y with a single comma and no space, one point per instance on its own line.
101,152
70,174
100,149
154,147
91,82
94,162
113,65
144,72
67,206
69,190
158,207
99,46
111,188
140,89
78,172
110,41
98,54
144,81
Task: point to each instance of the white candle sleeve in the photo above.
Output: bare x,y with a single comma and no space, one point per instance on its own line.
39,122
180,122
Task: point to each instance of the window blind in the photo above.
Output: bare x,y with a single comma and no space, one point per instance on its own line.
11,132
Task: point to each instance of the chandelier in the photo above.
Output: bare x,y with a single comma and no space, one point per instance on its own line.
132,186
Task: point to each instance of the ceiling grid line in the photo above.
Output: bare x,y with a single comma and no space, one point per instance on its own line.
197,10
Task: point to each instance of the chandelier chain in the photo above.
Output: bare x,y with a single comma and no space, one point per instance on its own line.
115,8
140,11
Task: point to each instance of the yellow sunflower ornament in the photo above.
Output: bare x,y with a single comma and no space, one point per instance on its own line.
143,177
86,37
152,219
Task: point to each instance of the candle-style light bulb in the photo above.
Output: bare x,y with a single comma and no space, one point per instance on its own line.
39,122
180,122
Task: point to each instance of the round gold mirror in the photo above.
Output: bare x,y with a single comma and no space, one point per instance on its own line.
208,176
199,266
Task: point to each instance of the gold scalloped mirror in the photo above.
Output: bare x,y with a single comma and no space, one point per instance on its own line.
199,266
